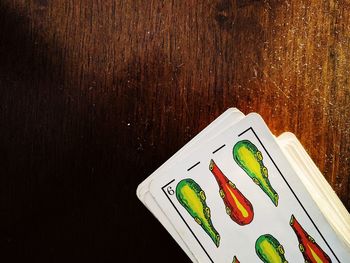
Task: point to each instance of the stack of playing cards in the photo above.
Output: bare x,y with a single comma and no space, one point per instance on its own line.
237,193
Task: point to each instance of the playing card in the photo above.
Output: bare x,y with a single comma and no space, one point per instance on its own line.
290,145
293,150
239,196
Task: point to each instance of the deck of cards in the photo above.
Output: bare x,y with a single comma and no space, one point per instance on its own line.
237,193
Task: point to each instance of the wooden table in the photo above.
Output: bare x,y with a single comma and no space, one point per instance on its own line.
95,95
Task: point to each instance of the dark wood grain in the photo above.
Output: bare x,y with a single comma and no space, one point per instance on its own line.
95,95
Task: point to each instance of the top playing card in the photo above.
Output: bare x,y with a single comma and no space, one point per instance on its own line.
238,198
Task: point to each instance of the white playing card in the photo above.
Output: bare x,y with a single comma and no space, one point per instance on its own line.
268,220
306,170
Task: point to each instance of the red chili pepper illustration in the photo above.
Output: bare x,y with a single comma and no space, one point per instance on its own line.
235,260
237,206
308,247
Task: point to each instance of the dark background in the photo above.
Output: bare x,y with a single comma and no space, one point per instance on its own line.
95,95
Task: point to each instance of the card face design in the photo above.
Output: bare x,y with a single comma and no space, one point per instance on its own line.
308,247
235,260
222,215
237,205
269,249
191,196
250,159
247,159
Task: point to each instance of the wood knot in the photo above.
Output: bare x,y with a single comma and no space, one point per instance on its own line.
226,12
